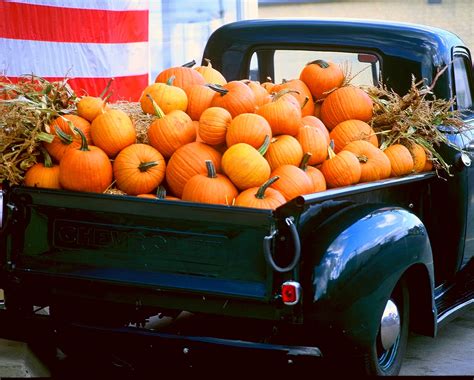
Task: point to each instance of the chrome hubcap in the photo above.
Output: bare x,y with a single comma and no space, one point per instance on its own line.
389,325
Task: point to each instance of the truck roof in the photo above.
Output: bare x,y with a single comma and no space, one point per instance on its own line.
418,48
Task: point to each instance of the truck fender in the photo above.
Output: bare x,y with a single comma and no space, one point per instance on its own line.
355,258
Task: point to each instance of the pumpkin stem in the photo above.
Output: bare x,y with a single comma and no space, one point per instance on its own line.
320,62
189,64
170,80
331,152
48,163
106,89
106,100
218,88
211,170
261,190
161,192
46,137
208,62
363,158
64,137
285,91
158,111
264,147
84,146
144,166
304,161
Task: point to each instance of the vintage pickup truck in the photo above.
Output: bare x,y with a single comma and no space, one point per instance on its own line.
339,276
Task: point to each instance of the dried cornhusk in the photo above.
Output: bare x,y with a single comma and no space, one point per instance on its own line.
415,117
25,119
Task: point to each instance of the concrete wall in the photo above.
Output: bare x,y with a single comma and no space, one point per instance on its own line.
454,15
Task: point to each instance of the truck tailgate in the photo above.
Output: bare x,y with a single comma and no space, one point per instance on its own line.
169,246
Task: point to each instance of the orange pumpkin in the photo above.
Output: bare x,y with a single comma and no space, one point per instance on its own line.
322,77
341,169
184,75
284,150
188,161
86,168
64,137
352,130
89,107
293,181
138,169
160,194
45,175
315,175
210,188
235,96
419,156
249,128
400,158
245,165
260,93
312,140
112,131
263,197
346,103
169,132
316,122
168,96
210,74
199,99
283,114
375,164
300,91
213,125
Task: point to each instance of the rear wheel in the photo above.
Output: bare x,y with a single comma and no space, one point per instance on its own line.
385,356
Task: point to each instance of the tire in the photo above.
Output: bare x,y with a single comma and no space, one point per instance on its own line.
380,362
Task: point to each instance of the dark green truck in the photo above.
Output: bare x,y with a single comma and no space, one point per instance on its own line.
339,276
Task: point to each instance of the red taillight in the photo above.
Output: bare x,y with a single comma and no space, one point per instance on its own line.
290,292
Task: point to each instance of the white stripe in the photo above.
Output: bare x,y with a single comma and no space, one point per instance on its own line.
49,59
112,5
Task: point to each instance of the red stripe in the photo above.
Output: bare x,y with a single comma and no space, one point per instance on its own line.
123,88
46,23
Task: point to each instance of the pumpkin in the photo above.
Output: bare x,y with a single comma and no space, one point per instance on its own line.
352,130
419,156
160,194
64,137
375,164
86,168
263,197
199,99
346,103
313,140
268,85
210,188
293,181
138,169
169,132
300,91
248,128
317,109
315,175
210,74
313,121
260,93
112,131
213,125
235,96
284,150
400,158
89,107
283,114
184,76
245,166
322,77
45,175
166,95
342,169
187,161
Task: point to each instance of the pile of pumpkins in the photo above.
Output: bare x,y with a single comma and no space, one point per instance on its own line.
241,142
